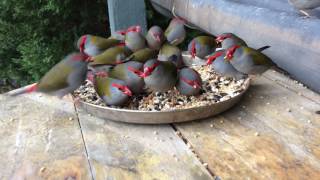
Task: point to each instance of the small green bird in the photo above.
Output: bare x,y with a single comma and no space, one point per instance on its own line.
112,91
175,32
134,40
130,73
166,53
228,39
111,56
159,76
95,45
61,79
143,55
155,37
201,46
248,60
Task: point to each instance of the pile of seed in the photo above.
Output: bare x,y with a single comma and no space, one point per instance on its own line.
214,89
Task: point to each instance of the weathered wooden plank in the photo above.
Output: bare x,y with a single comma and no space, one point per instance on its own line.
124,13
272,134
292,85
40,139
127,151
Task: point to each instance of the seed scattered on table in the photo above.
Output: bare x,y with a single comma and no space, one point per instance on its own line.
256,134
288,110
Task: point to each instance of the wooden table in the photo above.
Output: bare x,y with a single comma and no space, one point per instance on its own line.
274,133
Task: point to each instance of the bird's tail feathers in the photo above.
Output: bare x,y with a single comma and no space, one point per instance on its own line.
263,48
27,89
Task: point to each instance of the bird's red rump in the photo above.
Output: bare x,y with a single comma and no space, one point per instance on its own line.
135,71
81,57
122,88
32,88
231,51
223,37
193,83
214,57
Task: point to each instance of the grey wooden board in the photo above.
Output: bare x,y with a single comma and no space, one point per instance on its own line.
260,138
294,40
127,151
39,140
124,13
293,85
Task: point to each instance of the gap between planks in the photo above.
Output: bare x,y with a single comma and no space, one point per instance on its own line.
189,146
84,143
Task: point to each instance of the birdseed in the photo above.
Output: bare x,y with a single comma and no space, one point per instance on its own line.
214,89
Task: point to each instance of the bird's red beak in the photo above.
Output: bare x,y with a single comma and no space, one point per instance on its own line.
193,83
136,71
222,37
230,52
214,57
123,88
157,37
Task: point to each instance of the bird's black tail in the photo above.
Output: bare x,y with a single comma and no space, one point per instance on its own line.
263,48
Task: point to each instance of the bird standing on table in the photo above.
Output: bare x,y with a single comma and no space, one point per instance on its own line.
224,67
248,60
61,79
202,46
159,76
175,32
155,37
111,91
130,72
304,6
95,45
228,39
189,82
134,39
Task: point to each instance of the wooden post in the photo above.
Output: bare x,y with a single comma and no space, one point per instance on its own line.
125,13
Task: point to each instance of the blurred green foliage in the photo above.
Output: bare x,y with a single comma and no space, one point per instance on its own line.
36,34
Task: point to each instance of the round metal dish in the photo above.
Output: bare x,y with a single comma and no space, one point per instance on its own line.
161,117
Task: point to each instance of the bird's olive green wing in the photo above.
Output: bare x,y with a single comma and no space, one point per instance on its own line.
259,58
118,72
102,86
107,57
56,78
208,40
103,43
